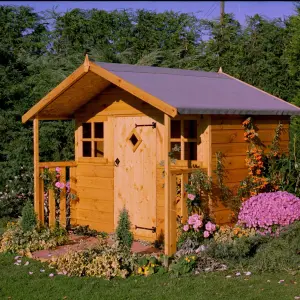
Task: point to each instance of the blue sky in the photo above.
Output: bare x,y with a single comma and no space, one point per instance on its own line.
209,9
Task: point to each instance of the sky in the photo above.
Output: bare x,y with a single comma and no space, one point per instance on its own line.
207,9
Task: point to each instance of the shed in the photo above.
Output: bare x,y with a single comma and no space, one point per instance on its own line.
128,118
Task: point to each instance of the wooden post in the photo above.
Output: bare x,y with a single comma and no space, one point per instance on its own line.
72,191
184,211
209,163
170,231
62,200
36,175
52,212
42,201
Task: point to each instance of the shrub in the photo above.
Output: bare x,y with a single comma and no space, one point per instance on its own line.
29,220
16,240
85,230
148,265
184,264
236,251
268,212
281,253
105,261
261,253
196,230
13,195
227,233
123,233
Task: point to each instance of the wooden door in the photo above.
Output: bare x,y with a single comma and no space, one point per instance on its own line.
135,174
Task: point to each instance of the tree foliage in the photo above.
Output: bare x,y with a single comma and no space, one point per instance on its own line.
39,50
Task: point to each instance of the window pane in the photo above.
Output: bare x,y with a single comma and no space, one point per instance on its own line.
190,151
99,149
190,129
86,130
99,133
87,149
175,149
175,129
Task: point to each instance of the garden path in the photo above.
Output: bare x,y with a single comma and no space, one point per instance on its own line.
78,243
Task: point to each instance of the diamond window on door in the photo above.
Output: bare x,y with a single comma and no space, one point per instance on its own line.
134,139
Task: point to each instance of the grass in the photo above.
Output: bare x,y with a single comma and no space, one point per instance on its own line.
17,284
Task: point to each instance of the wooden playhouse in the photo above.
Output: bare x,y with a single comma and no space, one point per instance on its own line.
127,120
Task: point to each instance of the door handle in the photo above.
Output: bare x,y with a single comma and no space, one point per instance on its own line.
117,162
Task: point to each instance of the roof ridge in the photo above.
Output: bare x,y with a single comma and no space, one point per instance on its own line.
196,72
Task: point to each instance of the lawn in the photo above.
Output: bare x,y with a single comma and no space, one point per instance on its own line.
16,283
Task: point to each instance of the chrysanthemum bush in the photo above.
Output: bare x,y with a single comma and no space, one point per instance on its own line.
269,212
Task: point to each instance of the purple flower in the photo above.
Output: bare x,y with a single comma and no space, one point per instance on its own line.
57,169
268,209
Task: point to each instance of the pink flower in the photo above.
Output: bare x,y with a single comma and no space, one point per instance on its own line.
57,169
59,185
198,223
206,234
210,227
191,197
186,227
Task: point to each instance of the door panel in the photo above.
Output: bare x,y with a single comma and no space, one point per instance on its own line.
135,176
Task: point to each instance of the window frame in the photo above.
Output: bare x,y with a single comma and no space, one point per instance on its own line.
182,140
92,139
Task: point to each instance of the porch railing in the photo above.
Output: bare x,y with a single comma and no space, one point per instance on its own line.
53,211
179,178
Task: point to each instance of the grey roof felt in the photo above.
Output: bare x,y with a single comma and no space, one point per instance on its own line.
198,92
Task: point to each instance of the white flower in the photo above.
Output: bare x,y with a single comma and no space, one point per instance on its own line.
238,274
51,275
42,270
281,281
30,273
19,261
27,263
228,276
247,273
17,257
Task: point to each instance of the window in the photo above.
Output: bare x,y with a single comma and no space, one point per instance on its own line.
184,135
93,139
